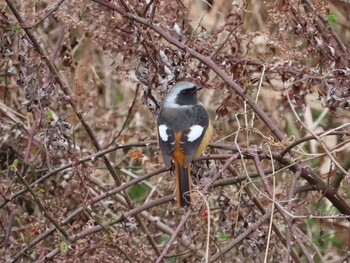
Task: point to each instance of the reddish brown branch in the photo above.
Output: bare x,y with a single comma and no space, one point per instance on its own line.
8,230
204,59
91,157
41,207
241,237
48,13
79,114
78,211
91,230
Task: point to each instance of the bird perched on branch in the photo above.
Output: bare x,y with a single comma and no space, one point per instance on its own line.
184,131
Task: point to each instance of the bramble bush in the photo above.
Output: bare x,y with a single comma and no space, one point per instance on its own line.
81,84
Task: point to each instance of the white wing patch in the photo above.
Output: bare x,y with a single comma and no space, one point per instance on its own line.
195,132
162,132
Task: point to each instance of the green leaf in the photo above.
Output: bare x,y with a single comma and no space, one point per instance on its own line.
223,236
112,219
163,239
63,247
48,114
137,192
41,190
331,18
14,165
119,96
16,28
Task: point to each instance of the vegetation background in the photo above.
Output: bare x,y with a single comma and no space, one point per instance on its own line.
81,83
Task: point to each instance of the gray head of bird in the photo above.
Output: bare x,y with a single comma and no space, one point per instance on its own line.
182,94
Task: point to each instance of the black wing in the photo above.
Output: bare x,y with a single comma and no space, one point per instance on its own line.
191,121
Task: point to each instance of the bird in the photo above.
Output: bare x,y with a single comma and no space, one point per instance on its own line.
183,132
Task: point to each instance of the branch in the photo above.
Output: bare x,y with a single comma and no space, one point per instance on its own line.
307,173
204,59
48,13
91,230
311,137
79,210
87,128
241,237
91,157
323,145
174,235
127,117
41,206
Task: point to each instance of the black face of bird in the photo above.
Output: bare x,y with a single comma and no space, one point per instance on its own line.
188,96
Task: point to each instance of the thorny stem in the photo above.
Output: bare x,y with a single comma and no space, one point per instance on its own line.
87,128
41,206
133,212
204,59
126,119
48,13
307,173
241,237
275,130
174,235
290,195
95,200
91,157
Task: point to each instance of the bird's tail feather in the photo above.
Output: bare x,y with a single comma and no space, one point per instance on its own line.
183,185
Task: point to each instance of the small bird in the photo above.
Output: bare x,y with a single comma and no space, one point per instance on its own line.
184,131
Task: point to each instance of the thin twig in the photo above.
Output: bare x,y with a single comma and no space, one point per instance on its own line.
5,242
241,237
220,172
261,173
126,119
311,137
95,200
204,59
49,12
91,230
173,236
290,196
32,243
213,55
91,157
323,145
208,226
32,131
302,247
41,206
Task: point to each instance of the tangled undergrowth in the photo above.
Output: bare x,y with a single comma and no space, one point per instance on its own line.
81,84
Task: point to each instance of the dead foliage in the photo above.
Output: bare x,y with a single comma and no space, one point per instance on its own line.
81,84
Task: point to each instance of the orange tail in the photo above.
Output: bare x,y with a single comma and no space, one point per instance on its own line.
183,185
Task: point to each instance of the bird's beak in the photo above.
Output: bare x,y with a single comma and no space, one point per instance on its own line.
198,88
